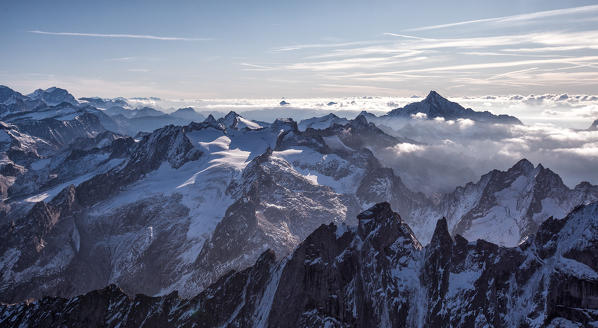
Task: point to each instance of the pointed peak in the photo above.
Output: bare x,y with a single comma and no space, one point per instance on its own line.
210,119
594,126
231,114
434,96
382,227
366,114
441,236
360,120
523,166
378,211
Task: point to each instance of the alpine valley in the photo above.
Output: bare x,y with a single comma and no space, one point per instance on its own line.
231,222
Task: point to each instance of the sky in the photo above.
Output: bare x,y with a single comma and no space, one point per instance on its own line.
274,49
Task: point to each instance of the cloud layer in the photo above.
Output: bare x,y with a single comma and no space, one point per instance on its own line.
456,152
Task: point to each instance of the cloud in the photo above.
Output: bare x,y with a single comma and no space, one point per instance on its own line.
323,45
466,67
253,67
497,56
126,36
513,18
452,153
404,36
123,59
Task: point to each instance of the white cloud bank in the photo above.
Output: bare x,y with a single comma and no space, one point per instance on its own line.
456,152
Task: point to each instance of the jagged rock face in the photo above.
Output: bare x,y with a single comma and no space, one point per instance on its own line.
504,207
277,209
61,133
196,201
177,208
594,126
375,274
39,167
339,275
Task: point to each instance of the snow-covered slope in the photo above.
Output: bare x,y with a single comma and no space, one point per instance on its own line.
322,122
193,202
179,207
53,96
503,207
375,274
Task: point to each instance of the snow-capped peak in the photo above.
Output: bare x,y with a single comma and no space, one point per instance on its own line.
8,96
434,105
435,97
235,121
53,96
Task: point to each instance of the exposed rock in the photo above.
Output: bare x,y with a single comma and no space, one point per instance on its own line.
376,274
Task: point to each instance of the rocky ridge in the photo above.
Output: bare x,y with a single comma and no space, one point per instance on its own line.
374,274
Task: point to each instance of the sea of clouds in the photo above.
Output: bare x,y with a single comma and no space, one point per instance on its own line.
445,154
569,110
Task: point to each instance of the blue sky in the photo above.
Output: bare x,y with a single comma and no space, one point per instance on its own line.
252,49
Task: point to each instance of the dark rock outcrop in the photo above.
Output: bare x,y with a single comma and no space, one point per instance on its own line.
434,105
376,274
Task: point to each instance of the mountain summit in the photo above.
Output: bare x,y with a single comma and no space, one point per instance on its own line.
434,105
53,96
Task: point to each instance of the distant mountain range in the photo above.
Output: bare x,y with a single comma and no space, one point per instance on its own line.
115,114
436,106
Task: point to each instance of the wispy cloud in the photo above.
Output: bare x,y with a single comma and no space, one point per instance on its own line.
254,67
553,49
467,67
513,18
125,36
324,45
404,36
122,59
549,50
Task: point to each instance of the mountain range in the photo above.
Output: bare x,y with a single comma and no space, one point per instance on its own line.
115,114
435,106
85,205
373,274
